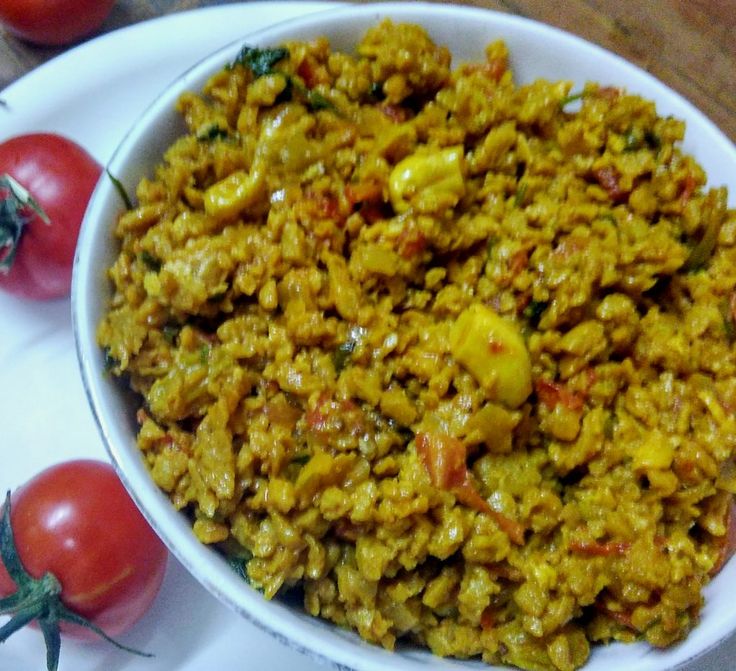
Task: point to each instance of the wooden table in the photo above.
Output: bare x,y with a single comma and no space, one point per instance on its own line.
688,44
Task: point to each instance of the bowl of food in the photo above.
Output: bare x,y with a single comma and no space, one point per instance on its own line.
410,330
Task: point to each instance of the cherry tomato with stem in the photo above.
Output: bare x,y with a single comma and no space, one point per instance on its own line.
46,181
78,557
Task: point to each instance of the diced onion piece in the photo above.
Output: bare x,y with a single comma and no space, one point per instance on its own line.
492,349
429,182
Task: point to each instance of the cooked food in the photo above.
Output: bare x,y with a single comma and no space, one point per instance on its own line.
449,356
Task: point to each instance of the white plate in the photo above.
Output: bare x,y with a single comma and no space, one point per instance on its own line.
93,94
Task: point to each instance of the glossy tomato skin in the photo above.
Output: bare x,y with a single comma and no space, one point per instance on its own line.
60,176
76,521
53,22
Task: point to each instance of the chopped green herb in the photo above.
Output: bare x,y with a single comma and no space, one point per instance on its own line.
702,250
492,242
696,262
342,355
609,217
121,190
216,298
533,312
609,426
260,61
403,432
17,208
150,261
520,194
728,319
632,140
376,91
204,354
237,557
240,566
212,132
652,139
573,97
301,458
318,102
170,332
288,93
109,361
315,100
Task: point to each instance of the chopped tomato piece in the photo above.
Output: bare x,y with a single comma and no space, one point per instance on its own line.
317,417
610,93
591,378
552,393
346,530
320,205
522,302
331,415
328,206
519,261
487,620
494,69
688,188
411,242
444,458
622,617
511,528
368,197
609,179
306,71
497,67
396,113
686,469
280,411
370,191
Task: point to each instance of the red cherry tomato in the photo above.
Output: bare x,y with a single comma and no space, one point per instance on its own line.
76,521
38,237
53,22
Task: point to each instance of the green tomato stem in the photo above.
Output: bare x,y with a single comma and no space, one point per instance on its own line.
39,599
17,207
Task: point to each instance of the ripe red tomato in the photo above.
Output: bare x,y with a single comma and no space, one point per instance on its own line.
53,22
76,521
59,176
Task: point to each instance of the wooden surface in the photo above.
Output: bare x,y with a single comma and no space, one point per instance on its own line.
688,44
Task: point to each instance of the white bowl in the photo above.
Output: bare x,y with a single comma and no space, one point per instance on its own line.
536,51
